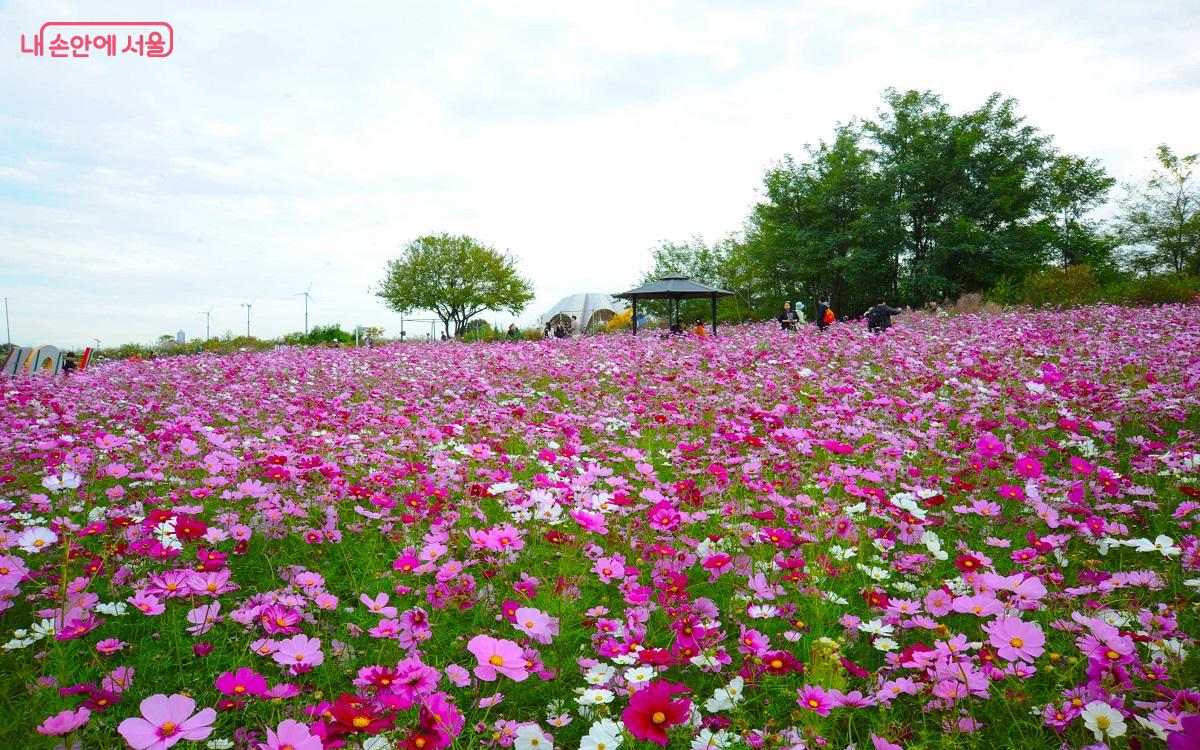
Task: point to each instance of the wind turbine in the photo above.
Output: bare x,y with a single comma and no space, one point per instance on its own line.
247,305
307,297
207,322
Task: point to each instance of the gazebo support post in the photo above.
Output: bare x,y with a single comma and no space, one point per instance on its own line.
714,312
635,316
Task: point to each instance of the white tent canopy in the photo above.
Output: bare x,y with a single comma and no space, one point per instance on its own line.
590,309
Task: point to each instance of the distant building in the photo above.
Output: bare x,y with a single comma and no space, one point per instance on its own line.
180,338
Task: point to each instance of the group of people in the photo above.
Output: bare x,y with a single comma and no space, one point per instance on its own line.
558,328
879,317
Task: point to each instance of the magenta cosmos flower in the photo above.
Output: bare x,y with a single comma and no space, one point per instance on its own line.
1015,639
64,722
497,655
165,721
814,698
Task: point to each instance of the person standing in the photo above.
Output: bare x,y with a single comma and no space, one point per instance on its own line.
698,329
788,318
825,314
69,365
879,317
512,332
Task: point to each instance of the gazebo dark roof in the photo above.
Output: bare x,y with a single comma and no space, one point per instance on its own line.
674,288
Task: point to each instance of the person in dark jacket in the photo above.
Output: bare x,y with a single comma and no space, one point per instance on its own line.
822,309
879,317
788,318
69,364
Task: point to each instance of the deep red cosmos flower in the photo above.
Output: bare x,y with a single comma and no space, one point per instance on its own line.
351,714
651,711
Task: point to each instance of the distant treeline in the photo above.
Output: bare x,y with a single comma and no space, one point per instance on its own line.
920,205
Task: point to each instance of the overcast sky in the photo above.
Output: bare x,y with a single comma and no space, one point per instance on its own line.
289,143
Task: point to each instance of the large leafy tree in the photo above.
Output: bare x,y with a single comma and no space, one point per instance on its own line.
810,236
456,277
1163,218
920,204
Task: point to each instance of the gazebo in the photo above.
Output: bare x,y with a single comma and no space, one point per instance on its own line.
674,288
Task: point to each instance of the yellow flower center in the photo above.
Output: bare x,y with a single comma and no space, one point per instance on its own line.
1016,643
659,717
360,721
1103,723
814,702
168,729
496,660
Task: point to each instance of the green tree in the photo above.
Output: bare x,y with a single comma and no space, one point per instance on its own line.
1162,221
1078,186
809,236
714,265
456,277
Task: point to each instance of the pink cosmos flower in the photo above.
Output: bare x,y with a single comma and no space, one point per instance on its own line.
291,735
378,605
497,655
203,618
299,653
110,646
1015,640
64,722
1028,466
165,721
814,698
119,680
458,675
535,623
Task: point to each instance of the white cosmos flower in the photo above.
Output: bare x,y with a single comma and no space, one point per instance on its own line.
1162,544
40,630
885,644
638,675
531,737
603,735
706,740
595,697
1103,720
116,609
876,627
36,539
599,674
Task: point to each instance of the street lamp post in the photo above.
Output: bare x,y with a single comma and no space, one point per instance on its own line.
247,305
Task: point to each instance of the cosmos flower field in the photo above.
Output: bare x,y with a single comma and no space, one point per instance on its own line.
971,532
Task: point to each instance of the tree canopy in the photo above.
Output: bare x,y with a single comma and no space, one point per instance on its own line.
916,204
1162,219
456,277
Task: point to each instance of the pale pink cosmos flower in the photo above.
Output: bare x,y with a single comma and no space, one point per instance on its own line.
497,656
291,735
119,680
299,653
378,605
458,675
203,618
165,721
536,624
